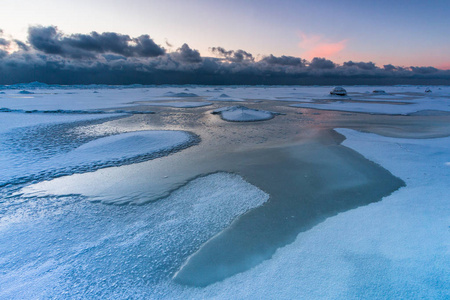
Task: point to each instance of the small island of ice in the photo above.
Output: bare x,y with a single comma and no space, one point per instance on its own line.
340,91
243,114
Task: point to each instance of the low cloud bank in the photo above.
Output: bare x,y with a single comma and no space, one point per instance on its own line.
53,57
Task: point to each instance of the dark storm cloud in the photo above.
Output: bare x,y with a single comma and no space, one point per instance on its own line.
233,55
4,42
424,70
321,63
362,65
53,57
22,45
188,55
50,41
389,67
284,61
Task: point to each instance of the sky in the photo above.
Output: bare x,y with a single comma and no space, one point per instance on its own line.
400,32
403,33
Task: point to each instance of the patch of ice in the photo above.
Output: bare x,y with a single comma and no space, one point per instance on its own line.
243,114
225,97
395,248
386,107
76,249
179,104
104,152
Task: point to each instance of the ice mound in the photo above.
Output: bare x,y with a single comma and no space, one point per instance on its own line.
379,92
243,114
179,104
339,91
25,92
114,150
225,97
181,94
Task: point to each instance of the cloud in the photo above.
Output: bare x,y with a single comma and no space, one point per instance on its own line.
424,70
321,63
233,55
53,57
50,41
186,54
284,61
316,46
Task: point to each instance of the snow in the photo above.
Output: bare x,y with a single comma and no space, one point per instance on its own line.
179,104
71,100
243,114
66,247
78,249
340,91
397,248
226,98
103,152
180,95
424,103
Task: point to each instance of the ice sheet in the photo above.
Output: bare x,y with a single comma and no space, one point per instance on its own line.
103,152
395,248
77,249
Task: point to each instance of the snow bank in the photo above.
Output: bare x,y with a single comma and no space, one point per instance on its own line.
243,114
104,152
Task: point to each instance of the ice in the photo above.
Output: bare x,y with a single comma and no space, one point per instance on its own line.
179,104
401,100
65,100
243,114
103,152
226,98
395,248
67,247
180,95
79,249
25,92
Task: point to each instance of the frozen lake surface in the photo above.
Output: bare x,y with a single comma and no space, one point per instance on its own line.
140,192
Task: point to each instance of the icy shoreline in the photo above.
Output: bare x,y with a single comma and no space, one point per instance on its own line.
395,248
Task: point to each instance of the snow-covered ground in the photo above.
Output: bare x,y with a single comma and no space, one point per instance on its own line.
66,247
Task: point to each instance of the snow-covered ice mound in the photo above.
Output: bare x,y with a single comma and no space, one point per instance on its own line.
226,98
244,114
379,92
180,95
179,104
114,150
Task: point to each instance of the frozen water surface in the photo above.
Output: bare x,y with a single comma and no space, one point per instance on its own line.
243,114
225,207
